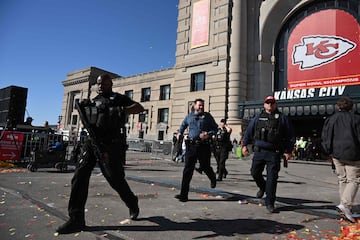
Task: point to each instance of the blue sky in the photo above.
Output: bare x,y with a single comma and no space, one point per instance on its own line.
43,40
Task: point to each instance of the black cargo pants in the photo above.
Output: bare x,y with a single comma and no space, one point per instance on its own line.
271,160
195,152
112,169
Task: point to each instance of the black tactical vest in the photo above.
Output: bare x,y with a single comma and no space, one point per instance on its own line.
106,117
268,128
222,136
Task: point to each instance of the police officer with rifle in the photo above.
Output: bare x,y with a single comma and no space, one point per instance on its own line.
104,118
274,139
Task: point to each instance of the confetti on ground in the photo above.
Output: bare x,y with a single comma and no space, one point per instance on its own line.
126,221
51,205
350,232
6,165
50,223
30,235
12,170
347,232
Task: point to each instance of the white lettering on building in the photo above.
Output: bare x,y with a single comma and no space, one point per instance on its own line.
310,93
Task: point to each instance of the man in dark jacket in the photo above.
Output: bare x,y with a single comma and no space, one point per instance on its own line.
340,140
273,136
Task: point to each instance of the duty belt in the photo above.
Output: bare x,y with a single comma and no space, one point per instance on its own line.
197,141
262,149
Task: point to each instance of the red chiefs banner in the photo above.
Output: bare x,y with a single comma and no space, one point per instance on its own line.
323,50
200,24
11,145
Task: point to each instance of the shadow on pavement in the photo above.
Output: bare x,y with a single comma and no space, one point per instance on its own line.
227,227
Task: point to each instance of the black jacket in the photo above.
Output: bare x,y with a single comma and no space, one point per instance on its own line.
340,136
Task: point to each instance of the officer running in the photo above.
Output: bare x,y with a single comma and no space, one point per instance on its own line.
273,135
202,127
103,118
222,145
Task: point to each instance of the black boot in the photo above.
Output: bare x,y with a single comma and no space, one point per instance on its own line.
134,211
182,198
225,173
220,176
71,226
213,183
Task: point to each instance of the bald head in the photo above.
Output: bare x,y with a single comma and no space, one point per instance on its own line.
104,83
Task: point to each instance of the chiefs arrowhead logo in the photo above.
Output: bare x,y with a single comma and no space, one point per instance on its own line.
316,51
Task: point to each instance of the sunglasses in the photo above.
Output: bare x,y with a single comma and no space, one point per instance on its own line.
270,102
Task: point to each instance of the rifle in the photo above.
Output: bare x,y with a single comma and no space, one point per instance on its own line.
82,108
84,119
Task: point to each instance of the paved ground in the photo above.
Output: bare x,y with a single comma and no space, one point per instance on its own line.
33,204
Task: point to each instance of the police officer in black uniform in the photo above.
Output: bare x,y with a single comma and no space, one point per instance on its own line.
222,145
274,138
105,124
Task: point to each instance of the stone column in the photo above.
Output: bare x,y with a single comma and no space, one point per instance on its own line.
238,60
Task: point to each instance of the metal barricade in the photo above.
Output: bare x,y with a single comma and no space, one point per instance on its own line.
161,149
139,145
39,142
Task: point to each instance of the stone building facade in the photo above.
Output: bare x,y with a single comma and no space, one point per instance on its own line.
231,54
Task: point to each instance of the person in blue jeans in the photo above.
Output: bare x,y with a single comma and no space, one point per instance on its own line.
273,137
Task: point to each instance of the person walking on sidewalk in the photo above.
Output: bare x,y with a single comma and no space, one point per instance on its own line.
301,146
274,137
201,126
181,157
341,140
222,145
177,142
104,145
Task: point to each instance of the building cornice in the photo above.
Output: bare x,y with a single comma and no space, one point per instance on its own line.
168,73
202,61
75,81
